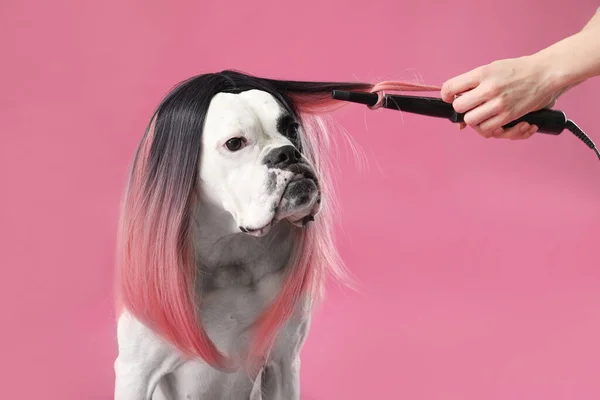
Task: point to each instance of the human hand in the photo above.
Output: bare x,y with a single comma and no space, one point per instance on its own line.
503,91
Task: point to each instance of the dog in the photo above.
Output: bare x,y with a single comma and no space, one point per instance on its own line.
225,239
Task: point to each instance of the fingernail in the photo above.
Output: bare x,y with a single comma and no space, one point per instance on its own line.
498,131
524,128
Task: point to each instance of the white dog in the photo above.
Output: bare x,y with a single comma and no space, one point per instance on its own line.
220,259
225,239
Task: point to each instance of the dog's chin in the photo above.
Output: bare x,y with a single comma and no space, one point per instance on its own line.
299,203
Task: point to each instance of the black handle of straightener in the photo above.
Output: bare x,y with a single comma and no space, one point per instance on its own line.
552,122
548,121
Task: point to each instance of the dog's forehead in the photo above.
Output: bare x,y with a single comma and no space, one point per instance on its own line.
231,112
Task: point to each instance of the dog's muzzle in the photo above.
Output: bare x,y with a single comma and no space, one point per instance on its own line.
296,186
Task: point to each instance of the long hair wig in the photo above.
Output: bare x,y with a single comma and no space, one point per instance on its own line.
158,274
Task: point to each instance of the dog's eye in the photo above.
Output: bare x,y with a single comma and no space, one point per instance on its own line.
235,144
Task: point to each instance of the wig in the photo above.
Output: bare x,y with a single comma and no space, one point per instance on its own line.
157,271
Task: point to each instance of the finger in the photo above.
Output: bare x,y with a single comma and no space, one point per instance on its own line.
533,129
525,135
515,132
495,123
460,84
481,113
487,133
469,100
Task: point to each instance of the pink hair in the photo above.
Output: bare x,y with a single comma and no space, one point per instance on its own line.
157,275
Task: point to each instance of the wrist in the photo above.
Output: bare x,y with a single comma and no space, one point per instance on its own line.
573,59
555,70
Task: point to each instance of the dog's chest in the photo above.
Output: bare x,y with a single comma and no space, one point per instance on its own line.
228,312
240,277
233,298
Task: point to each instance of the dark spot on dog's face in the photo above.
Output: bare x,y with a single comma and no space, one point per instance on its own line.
272,182
303,199
299,193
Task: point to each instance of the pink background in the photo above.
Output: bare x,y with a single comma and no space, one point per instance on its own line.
477,259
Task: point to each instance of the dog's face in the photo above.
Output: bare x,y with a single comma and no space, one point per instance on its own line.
252,166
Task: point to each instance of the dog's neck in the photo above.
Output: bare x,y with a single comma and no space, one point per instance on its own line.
234,259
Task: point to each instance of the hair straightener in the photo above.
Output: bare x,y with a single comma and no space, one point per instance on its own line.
548,121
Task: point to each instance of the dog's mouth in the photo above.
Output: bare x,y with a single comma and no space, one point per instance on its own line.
302,171
300,190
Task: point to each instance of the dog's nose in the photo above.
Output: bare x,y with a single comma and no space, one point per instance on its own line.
282,157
